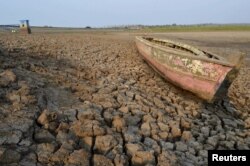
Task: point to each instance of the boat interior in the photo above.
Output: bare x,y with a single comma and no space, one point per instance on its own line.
183,47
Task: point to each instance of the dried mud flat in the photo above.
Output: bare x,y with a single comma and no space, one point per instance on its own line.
90,99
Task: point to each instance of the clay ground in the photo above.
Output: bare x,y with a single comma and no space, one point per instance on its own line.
89,99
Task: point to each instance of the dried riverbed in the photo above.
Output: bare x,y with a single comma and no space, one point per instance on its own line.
90,99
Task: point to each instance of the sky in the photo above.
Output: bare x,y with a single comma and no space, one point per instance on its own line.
102,13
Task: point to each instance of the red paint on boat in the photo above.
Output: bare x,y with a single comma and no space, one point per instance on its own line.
203,88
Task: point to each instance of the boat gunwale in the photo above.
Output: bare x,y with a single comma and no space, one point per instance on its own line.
158,46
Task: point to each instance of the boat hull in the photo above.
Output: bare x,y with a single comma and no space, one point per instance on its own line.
203,78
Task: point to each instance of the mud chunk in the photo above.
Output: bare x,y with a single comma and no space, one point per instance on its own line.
88,128
132,120
213,140
23,124
148,118
167,158
143,158
176,132
43,136
124,109
186,135
6,78
29,160
185,124
196,145
203,153
62,153
132,135
100,160
146,129
63,136
46,117
163,126
242,145
63,127
44,151
180,146
205,131
167,145
79,157
131,149
86,143
163,135
158,103
70,114
247,123
152,145
118,123
8,156
10,137
121,160
86,115
105,143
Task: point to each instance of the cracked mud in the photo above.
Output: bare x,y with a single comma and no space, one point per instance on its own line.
90,99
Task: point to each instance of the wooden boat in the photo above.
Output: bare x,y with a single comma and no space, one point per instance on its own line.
205,74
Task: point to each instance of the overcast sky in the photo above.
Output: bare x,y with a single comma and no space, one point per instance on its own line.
96,13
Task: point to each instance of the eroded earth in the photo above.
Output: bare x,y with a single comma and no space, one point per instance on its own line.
90,99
